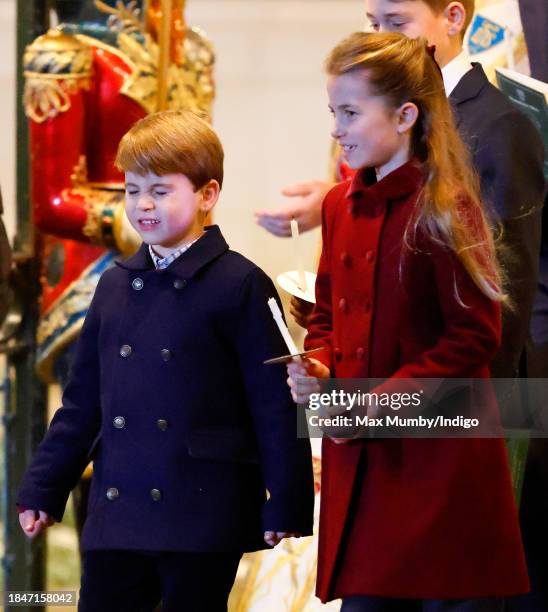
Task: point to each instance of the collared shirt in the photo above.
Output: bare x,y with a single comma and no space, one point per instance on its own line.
160,263
454,71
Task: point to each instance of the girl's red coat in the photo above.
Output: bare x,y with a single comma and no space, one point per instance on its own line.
432,518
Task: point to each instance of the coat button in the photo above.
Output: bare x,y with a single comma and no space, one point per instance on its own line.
179,283
360,352
343,305
125,350
166,354
162,424
338,354
370,256
137,284
113,493
119,422
345,259
156,494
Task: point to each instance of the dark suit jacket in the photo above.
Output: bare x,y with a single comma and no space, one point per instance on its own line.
186,426
508,155
5,267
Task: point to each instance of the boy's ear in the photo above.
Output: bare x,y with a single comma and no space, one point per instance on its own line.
455,17
407,116
209,195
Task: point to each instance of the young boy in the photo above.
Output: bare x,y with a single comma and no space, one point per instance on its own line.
193,439
506,149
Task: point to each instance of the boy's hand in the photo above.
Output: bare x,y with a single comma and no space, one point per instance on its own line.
31,524
301,310
274,537
302,379
306,210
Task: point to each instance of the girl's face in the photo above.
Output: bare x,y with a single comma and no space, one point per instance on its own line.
371,133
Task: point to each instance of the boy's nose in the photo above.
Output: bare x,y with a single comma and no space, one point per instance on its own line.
145,202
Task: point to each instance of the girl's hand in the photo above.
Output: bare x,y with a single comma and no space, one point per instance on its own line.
33,522
274,537
302,379
301,310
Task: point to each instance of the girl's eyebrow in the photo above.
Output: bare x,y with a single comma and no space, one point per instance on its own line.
167,185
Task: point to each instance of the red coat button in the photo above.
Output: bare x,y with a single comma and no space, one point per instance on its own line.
360,352
345,258
338,354
343,305
370,256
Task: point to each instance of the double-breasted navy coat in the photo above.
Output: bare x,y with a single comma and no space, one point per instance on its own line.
193,439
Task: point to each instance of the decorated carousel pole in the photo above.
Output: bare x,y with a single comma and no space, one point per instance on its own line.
164,44
24,417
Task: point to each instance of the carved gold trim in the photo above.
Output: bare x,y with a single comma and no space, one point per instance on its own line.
94,42
56,66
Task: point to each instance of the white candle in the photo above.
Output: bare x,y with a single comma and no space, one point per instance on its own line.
300,267
277,314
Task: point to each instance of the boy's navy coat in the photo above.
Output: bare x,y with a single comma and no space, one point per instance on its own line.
508,155
187,428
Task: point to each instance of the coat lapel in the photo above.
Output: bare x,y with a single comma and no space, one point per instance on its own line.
467,88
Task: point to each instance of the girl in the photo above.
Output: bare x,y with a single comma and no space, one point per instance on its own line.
407,288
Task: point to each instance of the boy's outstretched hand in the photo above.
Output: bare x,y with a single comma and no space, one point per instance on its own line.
275,537
302,378
306,208
31,524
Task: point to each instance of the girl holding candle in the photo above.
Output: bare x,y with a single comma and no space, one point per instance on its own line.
408,288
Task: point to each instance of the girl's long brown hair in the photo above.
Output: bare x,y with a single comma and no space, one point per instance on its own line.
449,210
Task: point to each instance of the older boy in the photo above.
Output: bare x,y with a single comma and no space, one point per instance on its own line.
188,430
506,148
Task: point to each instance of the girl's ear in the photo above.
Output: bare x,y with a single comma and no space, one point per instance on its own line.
407,116
209,194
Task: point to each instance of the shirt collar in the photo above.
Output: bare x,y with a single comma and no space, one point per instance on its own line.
160,263
454,71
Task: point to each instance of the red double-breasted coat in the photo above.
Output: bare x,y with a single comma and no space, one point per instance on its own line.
430,518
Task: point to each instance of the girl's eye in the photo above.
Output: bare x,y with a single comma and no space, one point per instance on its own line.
131,193
374,26
349,113
398,24
159,193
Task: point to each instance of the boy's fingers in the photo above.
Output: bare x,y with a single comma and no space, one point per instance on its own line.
278,227
45,518
27,520
298,189
296,369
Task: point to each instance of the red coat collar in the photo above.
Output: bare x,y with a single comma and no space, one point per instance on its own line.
368,194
